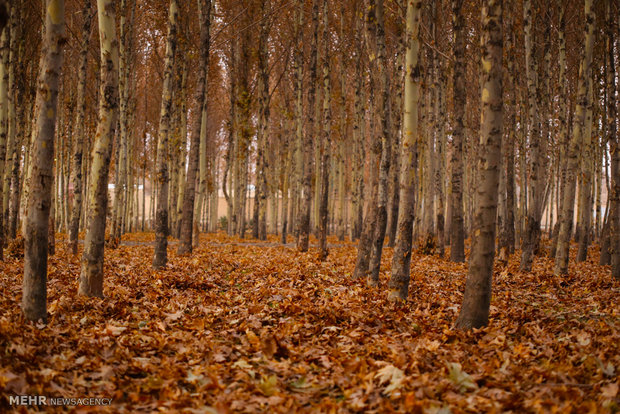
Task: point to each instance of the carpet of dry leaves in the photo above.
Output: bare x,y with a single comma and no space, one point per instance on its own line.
257,327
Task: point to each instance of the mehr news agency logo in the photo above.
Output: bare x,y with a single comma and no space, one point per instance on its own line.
41,400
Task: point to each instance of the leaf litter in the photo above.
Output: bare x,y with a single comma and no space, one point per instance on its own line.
250,327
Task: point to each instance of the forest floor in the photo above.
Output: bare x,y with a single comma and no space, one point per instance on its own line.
244,327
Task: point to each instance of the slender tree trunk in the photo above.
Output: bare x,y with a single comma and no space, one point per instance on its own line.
585,70
76,210
91,275
536,181
401,262
439,130
477,297
17,133
306,190
507,235
160,257
564,138
359,136
187,219
386,149
326,138
286,185
612,137
182,177
585,182
202,173
4,122
260,201
34,294
202,169
457,236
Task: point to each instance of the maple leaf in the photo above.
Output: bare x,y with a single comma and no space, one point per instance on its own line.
391,374
193,378
114,330
460,378
241,364
610,390
268,385
172,317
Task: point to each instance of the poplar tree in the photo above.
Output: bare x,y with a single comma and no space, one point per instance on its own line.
91,274
34,293
160,257
401,261
477,297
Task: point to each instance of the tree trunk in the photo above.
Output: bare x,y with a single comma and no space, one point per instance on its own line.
326,138
87,15
306,189
91,275
585,70
34,294
187,219
477,297
160,257
260,201
4,124
507,235
536,181
399,281
564,138
386,149
359,136
612,137
457,236
585,183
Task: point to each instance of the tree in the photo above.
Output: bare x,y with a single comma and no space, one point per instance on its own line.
536,181
187,219
386,144
76,211
306,191
325,145
612,114
457,237
477,297
91,274
4,121
122,149
34,295
399,281
581,105
260,198
160,257
369,226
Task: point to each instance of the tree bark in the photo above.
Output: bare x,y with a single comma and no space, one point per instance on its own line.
260,200
187,219
91,275
507,235
160,257
326,138
386,148
401,261
477,297
76,210
612,137
4,122
564,136
457,236
536,181
306,190
585,70
34,294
